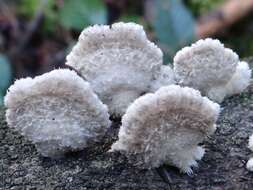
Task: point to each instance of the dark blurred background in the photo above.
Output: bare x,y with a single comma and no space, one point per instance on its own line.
36,35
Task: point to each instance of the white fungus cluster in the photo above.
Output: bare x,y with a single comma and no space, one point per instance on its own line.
211,68
119,62
166,128
60,111
250,162
57,111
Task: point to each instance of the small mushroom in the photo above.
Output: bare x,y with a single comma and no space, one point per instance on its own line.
119,62
57,111
166,128
211,68
249,164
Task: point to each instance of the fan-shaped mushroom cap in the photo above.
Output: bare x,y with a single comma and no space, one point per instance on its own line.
119,62
208,66
166,127
57,111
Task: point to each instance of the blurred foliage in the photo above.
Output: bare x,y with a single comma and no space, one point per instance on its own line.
239,37
168,27
199,7
5,76
170,23
172,26
131,18
69,14
29,8
78,14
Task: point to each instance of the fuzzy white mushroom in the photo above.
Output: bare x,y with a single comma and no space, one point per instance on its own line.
166,128
57,111
240,79
249,165
211,68
119,62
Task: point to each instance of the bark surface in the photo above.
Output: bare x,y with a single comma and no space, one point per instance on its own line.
223,166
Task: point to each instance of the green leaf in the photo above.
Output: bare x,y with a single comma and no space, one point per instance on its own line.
51,17
82,13
199,7
174,26
5,75
130,18
28,8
